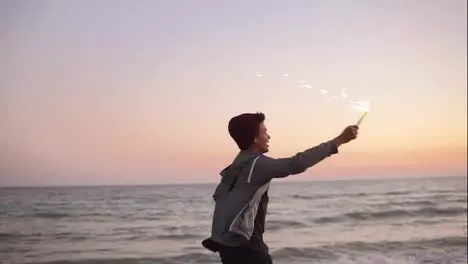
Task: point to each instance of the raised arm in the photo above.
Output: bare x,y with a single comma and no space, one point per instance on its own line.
267,168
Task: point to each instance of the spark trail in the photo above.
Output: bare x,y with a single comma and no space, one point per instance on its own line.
358,105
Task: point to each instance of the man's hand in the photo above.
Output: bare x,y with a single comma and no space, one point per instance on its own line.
348,134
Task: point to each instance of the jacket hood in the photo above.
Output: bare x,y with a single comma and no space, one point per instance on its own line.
242,158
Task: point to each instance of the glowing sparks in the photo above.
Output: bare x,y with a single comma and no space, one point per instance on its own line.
344,95
360,106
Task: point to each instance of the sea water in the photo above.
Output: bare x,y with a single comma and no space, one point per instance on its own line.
417,221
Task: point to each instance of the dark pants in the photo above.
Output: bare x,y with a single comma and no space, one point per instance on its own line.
244,255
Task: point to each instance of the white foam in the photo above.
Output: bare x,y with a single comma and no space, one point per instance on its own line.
381,258
378,259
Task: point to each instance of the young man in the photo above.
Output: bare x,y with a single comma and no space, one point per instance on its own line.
242,195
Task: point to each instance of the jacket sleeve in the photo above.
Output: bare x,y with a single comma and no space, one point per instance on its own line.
268,168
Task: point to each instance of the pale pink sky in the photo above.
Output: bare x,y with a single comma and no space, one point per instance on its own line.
125,92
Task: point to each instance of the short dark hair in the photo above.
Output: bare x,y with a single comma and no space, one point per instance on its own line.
244,128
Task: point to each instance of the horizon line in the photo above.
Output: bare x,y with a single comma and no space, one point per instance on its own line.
284,181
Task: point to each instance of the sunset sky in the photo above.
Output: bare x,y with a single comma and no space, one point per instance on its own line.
141,92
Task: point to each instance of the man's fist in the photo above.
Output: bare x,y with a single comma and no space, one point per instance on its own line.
348,134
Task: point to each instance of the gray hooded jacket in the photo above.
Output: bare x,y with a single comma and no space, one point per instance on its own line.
244,182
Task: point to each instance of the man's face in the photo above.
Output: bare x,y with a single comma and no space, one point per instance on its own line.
262,139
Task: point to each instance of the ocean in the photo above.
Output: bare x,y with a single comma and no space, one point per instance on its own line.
404,221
